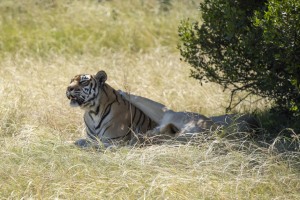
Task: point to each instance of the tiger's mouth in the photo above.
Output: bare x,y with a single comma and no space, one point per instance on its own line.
74,101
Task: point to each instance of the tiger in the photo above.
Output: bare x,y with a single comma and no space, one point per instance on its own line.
109,118
183,125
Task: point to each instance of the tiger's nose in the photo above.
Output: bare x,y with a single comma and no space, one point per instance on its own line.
70,88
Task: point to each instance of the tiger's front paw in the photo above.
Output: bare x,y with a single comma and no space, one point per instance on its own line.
84,143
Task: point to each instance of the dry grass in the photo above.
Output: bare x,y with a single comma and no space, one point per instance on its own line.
38,162
49,169
37,125
41,27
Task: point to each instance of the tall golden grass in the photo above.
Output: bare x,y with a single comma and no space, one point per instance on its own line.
45,43
85,27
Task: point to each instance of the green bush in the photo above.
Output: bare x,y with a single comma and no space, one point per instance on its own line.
250,46
281,37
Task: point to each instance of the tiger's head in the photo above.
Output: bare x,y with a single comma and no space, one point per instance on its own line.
84,88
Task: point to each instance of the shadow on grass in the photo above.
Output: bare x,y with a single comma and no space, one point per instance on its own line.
280,130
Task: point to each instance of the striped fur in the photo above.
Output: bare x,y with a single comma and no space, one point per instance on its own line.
182,126
108,116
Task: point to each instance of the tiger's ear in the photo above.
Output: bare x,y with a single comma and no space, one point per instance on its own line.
101,77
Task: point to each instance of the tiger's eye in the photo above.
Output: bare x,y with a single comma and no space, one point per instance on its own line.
85,82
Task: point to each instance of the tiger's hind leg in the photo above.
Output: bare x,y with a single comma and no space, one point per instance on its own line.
158,135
